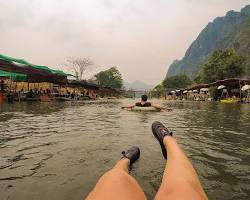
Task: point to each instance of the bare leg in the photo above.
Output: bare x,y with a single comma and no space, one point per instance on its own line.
180,180
117,184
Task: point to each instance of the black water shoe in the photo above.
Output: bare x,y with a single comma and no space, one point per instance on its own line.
160,131
132,154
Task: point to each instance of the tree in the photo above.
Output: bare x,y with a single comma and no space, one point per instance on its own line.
110,78
79,65
222,64
197,79
215,93
177,82
158,91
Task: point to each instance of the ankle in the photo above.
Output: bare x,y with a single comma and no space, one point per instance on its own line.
166,139
124,161
123,164
132,154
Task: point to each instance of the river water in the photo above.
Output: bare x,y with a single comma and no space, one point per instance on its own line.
59,150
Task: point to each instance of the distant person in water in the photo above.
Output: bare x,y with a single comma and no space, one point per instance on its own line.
145,103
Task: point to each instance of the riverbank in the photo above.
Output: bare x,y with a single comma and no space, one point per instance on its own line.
231,90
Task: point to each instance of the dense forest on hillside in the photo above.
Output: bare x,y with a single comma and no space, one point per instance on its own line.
231,31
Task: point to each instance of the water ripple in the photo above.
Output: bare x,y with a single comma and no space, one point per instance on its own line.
63,148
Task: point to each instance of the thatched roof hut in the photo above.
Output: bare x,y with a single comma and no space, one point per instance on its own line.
231,82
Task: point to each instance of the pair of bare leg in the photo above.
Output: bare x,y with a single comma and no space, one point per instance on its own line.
180,180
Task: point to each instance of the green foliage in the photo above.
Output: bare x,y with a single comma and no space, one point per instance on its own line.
158,91
177,82
110,78
230,31
222,64
197,79
214,93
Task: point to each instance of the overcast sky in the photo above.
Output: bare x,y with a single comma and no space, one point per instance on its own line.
140,37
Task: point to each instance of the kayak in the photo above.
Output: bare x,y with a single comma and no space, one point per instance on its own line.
144,109
229,100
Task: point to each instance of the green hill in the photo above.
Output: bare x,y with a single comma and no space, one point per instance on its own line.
230,31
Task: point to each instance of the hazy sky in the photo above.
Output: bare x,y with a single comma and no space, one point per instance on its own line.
140,37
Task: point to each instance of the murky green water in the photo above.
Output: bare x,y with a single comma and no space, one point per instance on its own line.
59,150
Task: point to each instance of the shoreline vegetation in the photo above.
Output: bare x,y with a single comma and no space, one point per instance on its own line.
229,31
216,66
222,77
22,81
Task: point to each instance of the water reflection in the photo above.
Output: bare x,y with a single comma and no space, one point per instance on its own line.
33,108
59,150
